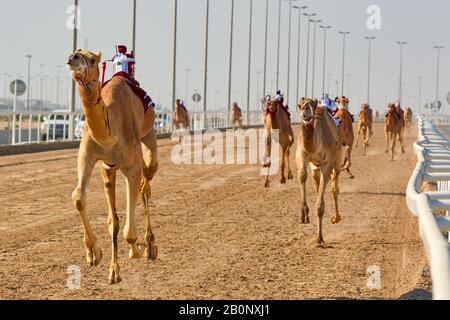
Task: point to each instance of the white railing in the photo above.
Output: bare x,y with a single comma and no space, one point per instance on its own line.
38,127
433,166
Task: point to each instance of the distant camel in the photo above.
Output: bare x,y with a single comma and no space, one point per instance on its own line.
408,118
236,116
348,135
181,119
277,117
319,145
365,126
393,128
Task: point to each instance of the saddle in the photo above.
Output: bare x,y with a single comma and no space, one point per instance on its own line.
147,101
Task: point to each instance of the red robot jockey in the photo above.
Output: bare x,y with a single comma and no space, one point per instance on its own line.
123,66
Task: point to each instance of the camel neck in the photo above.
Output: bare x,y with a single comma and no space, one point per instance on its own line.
95,111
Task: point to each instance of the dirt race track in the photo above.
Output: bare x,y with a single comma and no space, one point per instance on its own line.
220,233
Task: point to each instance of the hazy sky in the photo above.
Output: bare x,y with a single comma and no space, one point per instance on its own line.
39,28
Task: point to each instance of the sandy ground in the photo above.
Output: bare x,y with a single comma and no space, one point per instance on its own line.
220,233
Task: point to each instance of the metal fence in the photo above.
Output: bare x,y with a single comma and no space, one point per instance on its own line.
431,207
50,127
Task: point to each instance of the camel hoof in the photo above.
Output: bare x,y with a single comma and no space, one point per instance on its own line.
267,165
290,176
386,151
321,244
267,184
305,220
336,219
135,254
352,177
114,277
403,151
151,252
93,257
283,180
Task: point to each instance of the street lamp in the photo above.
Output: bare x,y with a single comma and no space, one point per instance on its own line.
402,44
205,84
325,28
298,47
133,36
344,34
265,50
289,53
29,56
438,48
230,66
174,71
308,15
249,60
278,48
72,87
369,63
314,55
58,67
420,95
187,84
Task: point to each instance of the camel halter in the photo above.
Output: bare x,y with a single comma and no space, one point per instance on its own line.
85,71
312,116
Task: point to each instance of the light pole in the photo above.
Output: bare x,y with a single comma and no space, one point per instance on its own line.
174,74
325,28
420,95
265,50
289,53
369,67
29,81
278,49
298,48
72,87
438,48
313,80
187,84
205,84
344,34
133,36
58,67
230,65
249,60
42,87
400,84
349,80
308,15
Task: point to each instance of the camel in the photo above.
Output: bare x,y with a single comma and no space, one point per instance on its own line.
120,135
348,135
393,129
236,117
181,119
365,126
408,118
277,117
319,145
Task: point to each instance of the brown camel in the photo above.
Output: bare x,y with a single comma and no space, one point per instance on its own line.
120,135
319,145
408,118
181,119
277,117
348,135
236,117
393,128
365,126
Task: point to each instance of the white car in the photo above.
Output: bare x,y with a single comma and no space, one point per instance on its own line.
57,122
79,127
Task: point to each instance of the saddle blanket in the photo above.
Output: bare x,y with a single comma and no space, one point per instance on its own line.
135,87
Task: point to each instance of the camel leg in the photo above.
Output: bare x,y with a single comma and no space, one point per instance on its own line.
402,144
288,160
366,136
268,150
109,184
393,141
387,142
320,203
359,134
283,164
335,189
86,164
348,160
316,178
150,154
133,177
302,177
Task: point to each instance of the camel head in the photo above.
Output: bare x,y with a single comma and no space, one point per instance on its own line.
343,102
307,108
83,66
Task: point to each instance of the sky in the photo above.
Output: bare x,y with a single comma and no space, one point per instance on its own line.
40,28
